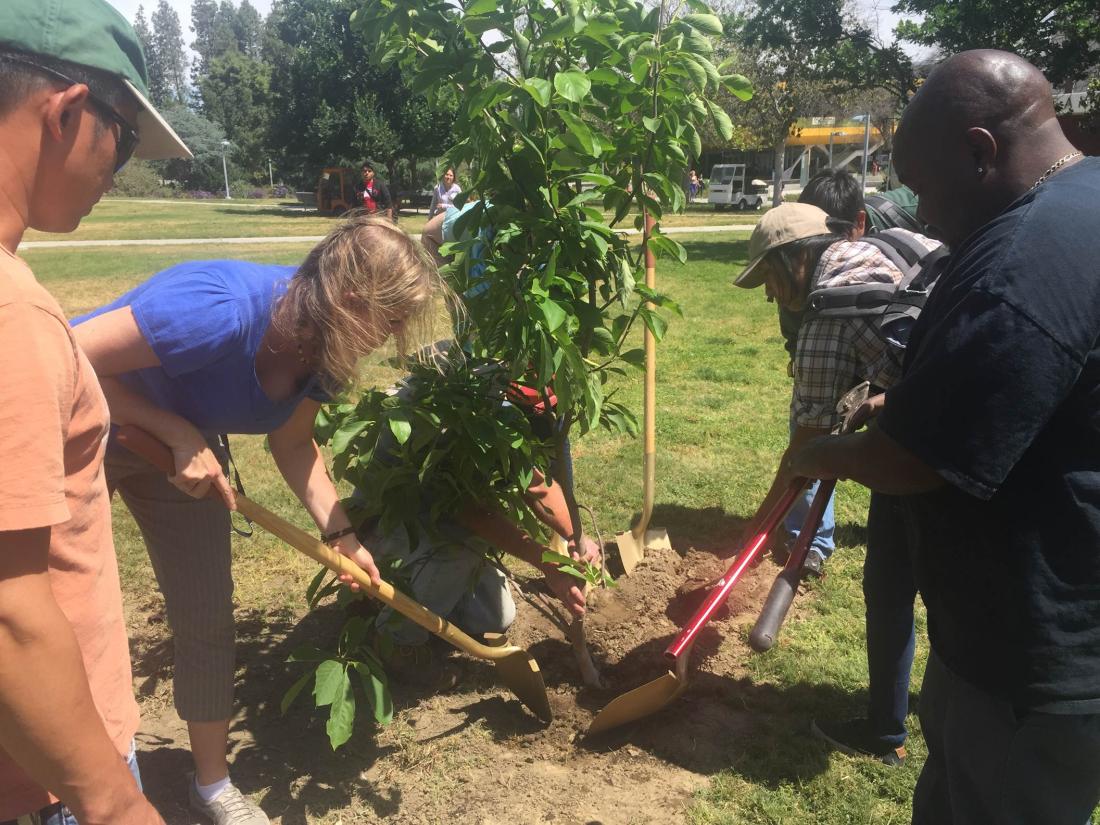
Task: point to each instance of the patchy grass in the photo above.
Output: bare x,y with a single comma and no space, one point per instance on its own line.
722,413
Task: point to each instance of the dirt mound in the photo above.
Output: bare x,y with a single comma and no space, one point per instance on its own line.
461,748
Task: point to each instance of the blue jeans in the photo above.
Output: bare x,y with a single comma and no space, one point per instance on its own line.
990,763
58,814
792,525
889,591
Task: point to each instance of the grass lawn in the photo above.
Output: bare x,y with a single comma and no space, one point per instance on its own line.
126,219
722,417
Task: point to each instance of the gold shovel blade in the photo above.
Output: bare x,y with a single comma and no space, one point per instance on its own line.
638,703
520,672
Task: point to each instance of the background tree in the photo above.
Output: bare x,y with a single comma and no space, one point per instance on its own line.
144,35
331,105
235,93
1061,38
249,29
204,139
203,13
170,57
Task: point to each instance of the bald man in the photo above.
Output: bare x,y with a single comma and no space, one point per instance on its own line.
993,439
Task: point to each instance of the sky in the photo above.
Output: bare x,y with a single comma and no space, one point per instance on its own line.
876,12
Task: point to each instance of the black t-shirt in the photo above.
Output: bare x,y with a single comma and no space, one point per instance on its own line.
1001,396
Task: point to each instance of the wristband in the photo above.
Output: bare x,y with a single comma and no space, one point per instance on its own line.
329,538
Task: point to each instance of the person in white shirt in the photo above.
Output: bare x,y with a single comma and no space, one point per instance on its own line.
444,193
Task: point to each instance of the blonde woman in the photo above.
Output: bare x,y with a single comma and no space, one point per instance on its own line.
444,194
211,347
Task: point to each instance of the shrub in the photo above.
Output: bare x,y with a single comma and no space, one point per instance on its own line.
138,179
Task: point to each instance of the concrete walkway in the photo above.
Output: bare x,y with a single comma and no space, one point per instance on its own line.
308,239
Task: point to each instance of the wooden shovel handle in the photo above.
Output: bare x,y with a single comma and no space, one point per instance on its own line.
156,453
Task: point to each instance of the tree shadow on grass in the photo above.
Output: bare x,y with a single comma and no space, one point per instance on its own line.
731,252
288,756
706,529
290,213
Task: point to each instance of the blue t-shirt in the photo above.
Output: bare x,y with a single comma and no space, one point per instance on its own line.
1001,396
205,321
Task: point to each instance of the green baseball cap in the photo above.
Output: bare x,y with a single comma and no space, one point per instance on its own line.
92,33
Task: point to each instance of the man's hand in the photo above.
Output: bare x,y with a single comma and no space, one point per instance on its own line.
567,589
591,552
349,546
197,468
866,411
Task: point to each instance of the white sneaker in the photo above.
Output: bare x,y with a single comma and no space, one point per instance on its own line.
230,807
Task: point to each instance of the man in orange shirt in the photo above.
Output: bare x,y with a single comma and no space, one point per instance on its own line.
72,112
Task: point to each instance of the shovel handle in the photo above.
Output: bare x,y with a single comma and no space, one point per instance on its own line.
766,630
156,453
745,558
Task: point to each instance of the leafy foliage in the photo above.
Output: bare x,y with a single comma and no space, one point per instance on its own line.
331,106
570,112
204,139
235,94
566,112
1062,39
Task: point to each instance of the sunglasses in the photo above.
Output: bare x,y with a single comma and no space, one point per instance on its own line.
126,141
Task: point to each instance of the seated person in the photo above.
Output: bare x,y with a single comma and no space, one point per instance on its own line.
449,569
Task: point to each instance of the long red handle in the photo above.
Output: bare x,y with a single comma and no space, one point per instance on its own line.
746,558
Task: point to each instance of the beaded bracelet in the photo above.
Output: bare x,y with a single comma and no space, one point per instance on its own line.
329,538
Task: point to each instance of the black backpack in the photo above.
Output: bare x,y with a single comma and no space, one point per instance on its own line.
892,309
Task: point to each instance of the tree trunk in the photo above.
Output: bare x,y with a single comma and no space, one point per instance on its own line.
777,171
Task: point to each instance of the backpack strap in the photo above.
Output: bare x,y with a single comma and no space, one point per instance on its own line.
891,214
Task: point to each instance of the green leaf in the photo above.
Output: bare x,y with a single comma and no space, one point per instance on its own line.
706,23
593,177
329,682
550,557
378,692
476,7
634,357
664,245
738,85
651,123
400,427
341,716
657,325
697,72
292,694
553,313
573,85
347,433
538,88
579,129
722,122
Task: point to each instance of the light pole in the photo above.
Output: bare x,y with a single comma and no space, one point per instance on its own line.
225,168
270,175
866,146
831,136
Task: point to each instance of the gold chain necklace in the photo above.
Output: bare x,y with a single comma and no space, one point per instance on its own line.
1054,167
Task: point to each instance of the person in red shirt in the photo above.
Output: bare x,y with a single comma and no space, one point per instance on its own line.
374,194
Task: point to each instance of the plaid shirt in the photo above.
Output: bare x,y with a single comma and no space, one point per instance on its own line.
835,354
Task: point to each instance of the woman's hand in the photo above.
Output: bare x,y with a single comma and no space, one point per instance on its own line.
198,469
567,589
349,546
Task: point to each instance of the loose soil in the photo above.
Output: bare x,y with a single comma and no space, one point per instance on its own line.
461,749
